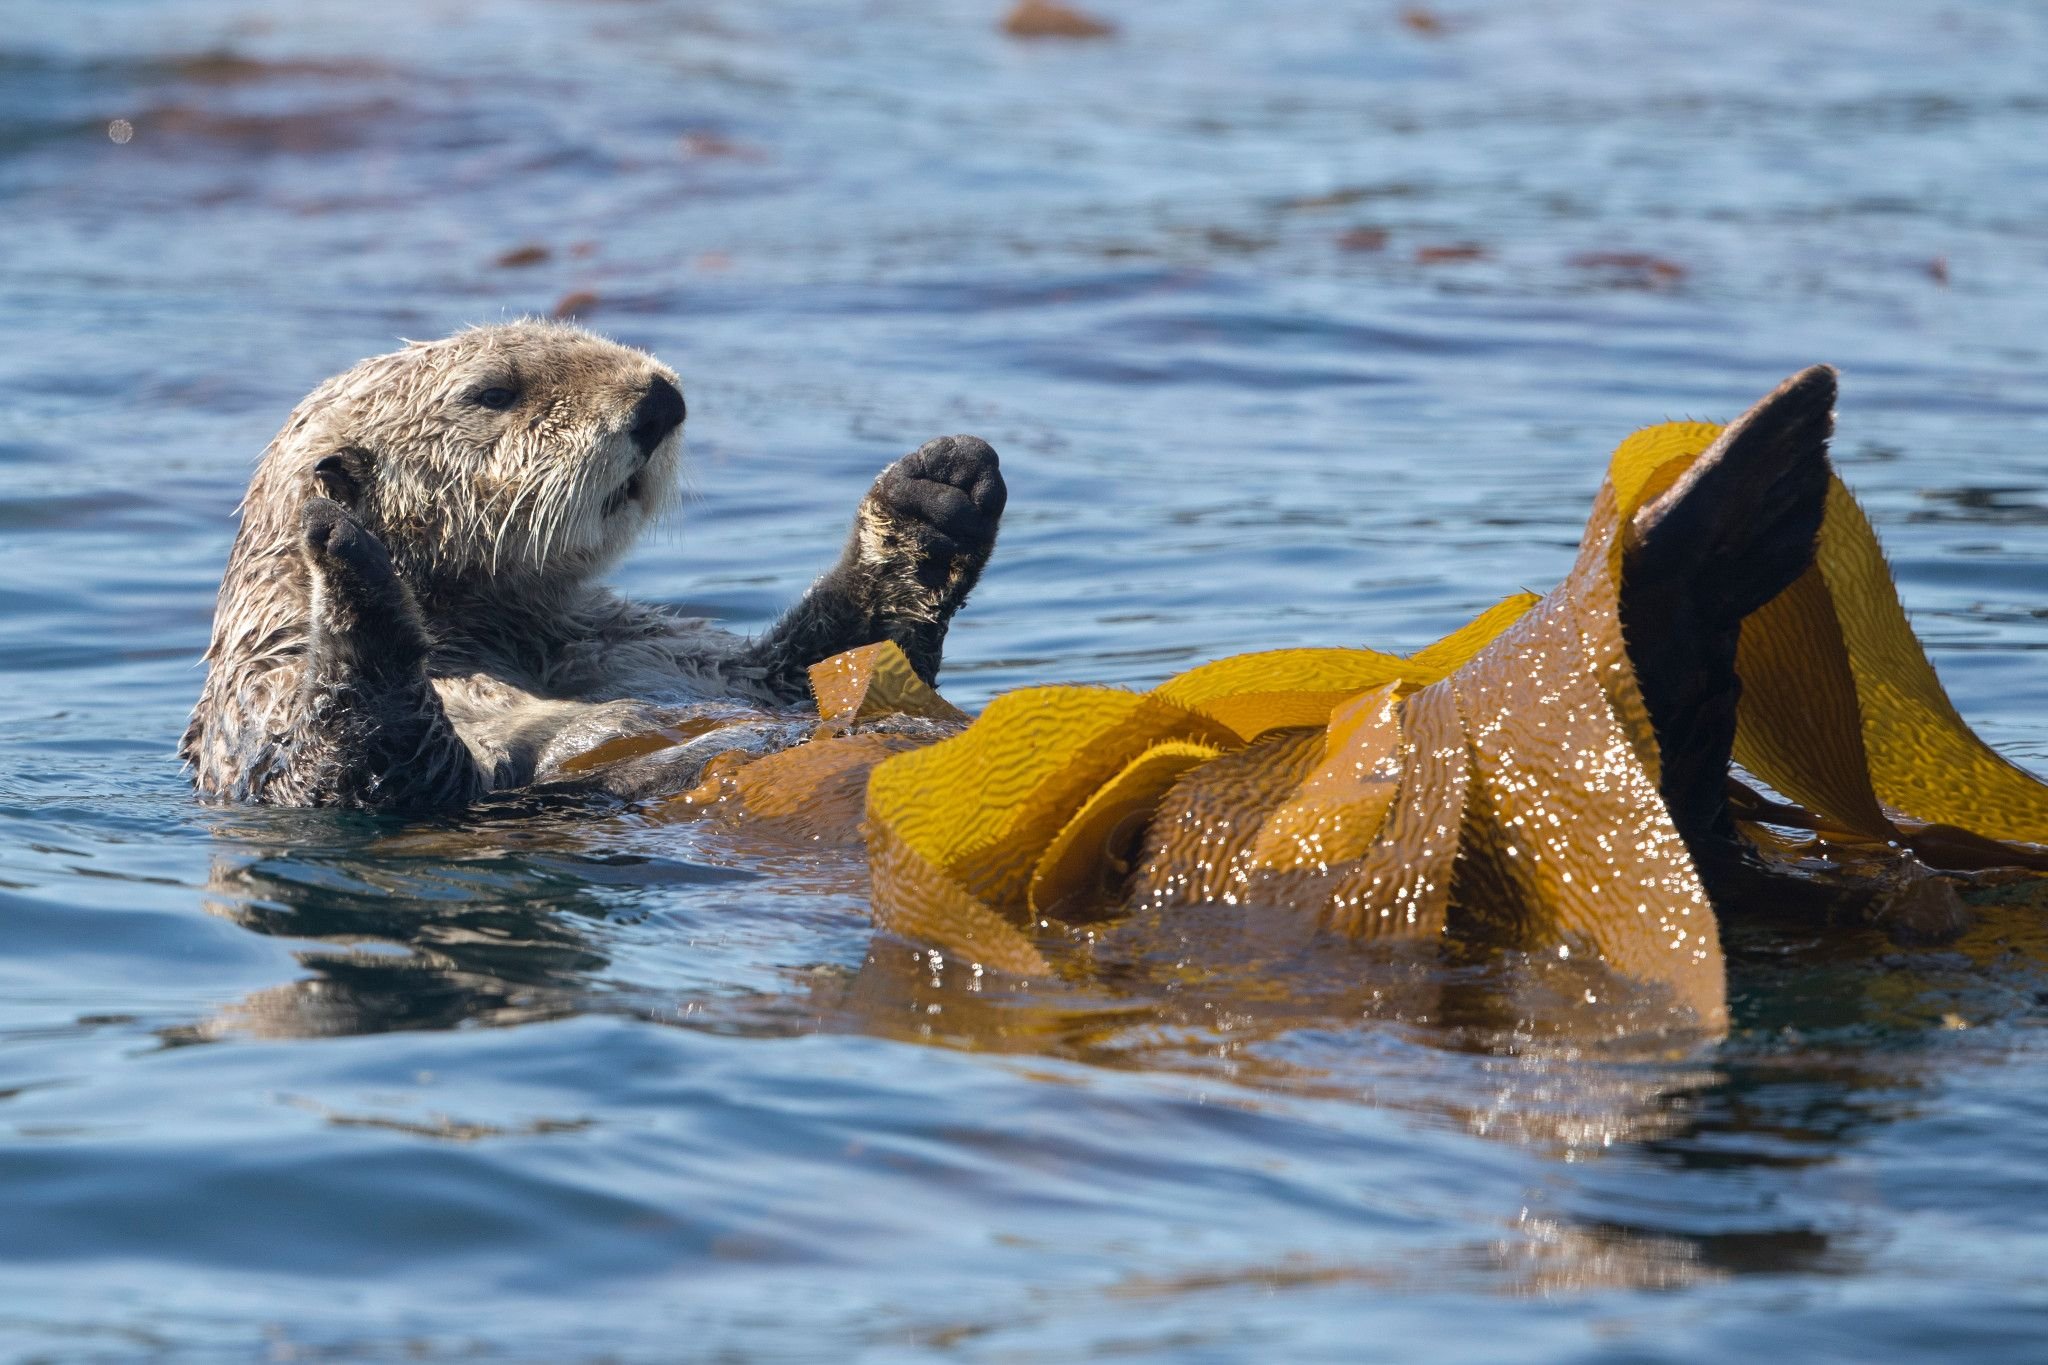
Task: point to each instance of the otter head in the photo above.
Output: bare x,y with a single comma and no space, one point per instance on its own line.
501,468
500,462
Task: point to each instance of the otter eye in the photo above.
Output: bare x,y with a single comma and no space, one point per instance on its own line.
498,398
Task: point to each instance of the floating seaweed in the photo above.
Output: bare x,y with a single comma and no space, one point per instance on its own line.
1638,268
1050,19
1520,783
1362,239
1450,253
1428,23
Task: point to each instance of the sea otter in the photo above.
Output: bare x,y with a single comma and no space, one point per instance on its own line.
411,615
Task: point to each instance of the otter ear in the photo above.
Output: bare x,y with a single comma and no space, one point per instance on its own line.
343,475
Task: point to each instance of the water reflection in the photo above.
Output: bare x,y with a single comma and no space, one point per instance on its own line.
436,928
1451,1048
396,964
1674,1143
500,919
482,921
1984,505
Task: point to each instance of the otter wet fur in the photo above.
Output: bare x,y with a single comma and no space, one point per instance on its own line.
411,616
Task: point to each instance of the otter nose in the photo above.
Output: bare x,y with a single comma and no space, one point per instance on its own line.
660,411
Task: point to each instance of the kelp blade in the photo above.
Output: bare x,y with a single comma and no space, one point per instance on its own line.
1083,867
875,680
982,808
1336,812
1924,761
1501,784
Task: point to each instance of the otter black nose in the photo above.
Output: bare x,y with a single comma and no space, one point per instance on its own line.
659,413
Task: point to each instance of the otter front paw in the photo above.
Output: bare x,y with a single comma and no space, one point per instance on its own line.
334,538
934,514
919,544
362,609
368,729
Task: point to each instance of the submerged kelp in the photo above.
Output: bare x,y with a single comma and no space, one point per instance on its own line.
1506,786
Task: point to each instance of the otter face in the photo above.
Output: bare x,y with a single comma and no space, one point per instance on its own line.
530,452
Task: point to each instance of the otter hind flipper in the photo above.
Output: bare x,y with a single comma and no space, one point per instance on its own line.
1731,534
1741,524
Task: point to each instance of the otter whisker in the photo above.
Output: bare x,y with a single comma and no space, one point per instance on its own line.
505,526
561,497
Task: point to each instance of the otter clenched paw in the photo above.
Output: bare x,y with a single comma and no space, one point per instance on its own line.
940,503
363,609
922,537
369,730
333,533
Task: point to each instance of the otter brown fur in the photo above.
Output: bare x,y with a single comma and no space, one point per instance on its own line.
411,615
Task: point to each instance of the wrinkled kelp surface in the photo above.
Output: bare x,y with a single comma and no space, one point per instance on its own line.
1500,787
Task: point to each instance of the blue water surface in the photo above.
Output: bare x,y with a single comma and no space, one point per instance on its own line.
1295,323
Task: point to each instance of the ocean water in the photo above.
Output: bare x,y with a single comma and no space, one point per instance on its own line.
1294,323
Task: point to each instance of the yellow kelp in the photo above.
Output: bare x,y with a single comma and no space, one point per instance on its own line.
1501,784
871,705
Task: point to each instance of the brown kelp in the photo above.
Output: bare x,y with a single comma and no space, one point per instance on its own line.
1503,786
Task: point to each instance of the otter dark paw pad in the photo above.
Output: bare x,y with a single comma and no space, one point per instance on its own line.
333,535
953,484
324,520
